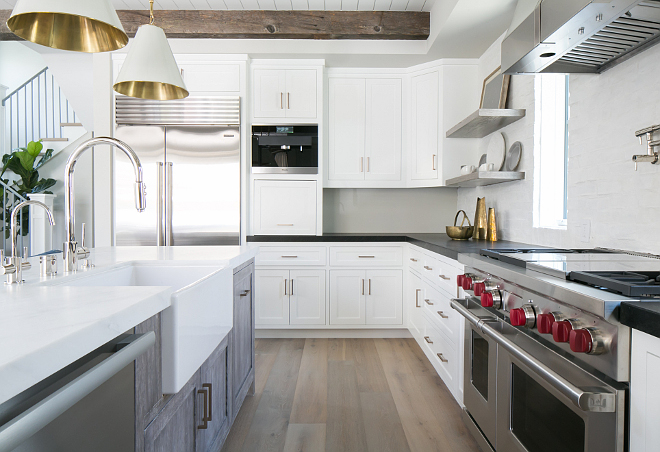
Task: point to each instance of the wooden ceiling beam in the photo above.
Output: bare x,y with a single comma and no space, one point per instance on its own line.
212,24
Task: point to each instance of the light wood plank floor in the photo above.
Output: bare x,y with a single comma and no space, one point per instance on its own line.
347,395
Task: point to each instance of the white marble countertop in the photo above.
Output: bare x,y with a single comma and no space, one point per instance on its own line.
44,328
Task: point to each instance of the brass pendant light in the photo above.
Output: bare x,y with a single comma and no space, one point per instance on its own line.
150,71
81,26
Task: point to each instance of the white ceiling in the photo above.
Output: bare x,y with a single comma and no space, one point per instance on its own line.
282,5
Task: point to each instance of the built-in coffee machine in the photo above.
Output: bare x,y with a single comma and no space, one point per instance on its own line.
285,149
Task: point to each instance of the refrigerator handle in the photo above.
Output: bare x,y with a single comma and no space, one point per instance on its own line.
161,191
169,238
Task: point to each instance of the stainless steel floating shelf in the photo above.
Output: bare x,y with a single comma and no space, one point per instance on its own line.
484,121
480,178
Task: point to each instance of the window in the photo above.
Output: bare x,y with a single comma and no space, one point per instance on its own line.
550,150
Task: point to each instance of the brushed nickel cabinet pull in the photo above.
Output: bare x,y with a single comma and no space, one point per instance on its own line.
417,291
289,257
363,287
288,101
442,358
291,286
444,277
428,268
428,302
433,162
205,418
428,340
441,314
286,283
367,257
361,164
285,224
245,293
369,286
209,386
413,259
367,164
281,101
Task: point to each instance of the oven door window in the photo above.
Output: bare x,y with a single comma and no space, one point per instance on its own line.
540,421
480,364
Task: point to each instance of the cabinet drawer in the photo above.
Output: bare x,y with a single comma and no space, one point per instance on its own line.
415,259
366,256
441,274
444,355
291,256
438,309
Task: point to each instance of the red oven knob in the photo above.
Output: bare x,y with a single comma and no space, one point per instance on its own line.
544,323
561,331
467,283
459,280
581,341
486,299
479,288
517,316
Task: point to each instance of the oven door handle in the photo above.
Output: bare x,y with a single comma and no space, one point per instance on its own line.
594,401
27,423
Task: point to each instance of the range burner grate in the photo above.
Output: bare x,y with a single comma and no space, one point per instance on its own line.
630,284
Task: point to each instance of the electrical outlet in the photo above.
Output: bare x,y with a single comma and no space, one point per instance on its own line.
584,231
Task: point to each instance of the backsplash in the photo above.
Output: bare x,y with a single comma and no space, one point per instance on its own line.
609,204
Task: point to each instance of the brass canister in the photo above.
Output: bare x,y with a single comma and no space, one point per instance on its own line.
492,226
480,220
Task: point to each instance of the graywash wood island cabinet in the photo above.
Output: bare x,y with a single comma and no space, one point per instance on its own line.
198,418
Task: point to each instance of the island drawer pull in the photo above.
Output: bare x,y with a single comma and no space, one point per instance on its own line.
205,418
441,314
428,302
17,430
428,339
210,388
442,358
245,293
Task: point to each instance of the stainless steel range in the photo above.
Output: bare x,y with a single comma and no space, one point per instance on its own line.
546,360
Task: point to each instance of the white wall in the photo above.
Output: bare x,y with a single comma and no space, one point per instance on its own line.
18,64
620,206
401,210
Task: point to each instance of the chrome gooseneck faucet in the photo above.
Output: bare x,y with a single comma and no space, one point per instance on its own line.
71,251
14,270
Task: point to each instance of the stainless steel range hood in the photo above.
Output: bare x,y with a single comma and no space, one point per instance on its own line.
569,36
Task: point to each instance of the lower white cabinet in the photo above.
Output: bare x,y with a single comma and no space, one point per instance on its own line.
644,393
284,207
290,297
366,297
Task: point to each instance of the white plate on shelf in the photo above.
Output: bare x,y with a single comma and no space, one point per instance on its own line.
496,151
482,160
513,156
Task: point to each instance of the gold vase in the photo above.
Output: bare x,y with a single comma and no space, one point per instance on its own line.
480,220
491,236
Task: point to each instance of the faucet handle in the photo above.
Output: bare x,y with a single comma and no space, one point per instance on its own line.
84,242
25,252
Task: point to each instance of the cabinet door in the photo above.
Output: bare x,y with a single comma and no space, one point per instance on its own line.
211,77
347,297
269,93
424,158
383,129
414,300
384,303
242,337
272,297
346,128
300,93
644,392
307,299
214,383
175,427
284,207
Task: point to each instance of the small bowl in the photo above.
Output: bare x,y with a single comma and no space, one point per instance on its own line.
460,232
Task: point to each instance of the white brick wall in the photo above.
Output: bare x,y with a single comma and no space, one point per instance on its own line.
621,206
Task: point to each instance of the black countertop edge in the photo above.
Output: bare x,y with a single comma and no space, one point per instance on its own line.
641,315
437,243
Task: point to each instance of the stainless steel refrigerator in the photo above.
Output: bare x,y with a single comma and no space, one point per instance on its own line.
190,152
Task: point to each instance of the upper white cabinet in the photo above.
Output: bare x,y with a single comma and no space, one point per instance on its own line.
425,148
285,93
209,77
282,207
364,131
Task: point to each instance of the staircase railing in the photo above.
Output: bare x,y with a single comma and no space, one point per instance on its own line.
11,198
37,110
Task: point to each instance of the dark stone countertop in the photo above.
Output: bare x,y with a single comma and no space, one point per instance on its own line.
438,243
641,315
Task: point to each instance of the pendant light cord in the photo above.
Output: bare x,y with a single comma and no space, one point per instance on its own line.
151,12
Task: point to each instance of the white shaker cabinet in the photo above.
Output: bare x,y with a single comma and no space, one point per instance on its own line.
644,393
285,93
366,297
364,131
284,207
272,297
424,126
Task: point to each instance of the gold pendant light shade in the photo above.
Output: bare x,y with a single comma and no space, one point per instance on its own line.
150,71
78,25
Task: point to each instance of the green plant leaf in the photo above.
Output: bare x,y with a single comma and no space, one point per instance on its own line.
34,148
27,159
17,168
43,185
47,156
